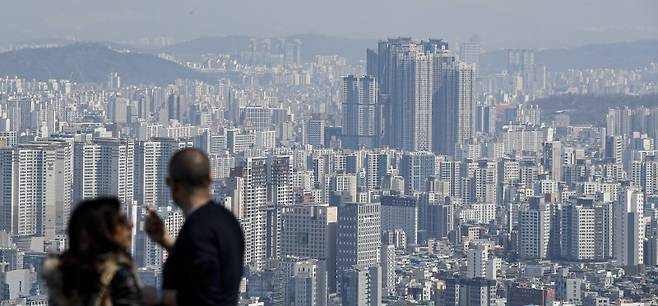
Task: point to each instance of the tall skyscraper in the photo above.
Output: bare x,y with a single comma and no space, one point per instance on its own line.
534,226
151,170
292,52
485,119
314,132
361,286
484,174
417,168
376,166
400,212
310,231
388,269
553,159
36,181
579,232
454,108
345,186
104,167
114,81
174,107
361,112
477,259
117,108
643,174
469,52
427,95
521,63
604,245
279,196
359,235
254,193
614,149
440,219
300,281
629,228
7,177
404,71
451,172
232,106
412,100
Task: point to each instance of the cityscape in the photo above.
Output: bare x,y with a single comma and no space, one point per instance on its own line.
386,171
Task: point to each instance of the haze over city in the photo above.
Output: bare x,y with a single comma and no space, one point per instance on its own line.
329,153
503,24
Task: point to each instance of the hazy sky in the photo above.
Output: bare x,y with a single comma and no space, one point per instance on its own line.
500,23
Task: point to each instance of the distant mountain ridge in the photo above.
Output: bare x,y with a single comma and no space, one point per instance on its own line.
621,55
584,109
207,44
92,62
312,44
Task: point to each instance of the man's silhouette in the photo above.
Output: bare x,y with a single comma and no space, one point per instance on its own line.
204,266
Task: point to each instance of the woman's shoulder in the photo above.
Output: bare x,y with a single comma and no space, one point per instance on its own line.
51,270
126,288
122,271
54,278
124,276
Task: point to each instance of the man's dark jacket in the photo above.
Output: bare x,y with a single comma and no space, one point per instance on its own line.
205,264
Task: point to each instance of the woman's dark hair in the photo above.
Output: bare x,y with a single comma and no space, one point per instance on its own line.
90,231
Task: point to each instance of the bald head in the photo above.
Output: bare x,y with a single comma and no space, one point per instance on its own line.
190,169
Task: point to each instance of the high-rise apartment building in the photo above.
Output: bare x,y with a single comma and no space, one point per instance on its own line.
387,255
292,52
417,168
361,286
484,183
427,93
36,180
469,52
310,231
552,159
376,166
279,195
451,172
362,116
359,235
534,227
579,232
151,170
629,228
477,259
404,71
454,107
614,149
254,216
300,281
521,63
314,132
400,212
104,167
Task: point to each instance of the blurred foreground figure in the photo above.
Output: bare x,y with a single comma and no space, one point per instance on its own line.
204,266
97,269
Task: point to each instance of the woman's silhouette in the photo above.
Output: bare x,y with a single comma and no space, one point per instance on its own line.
96,269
